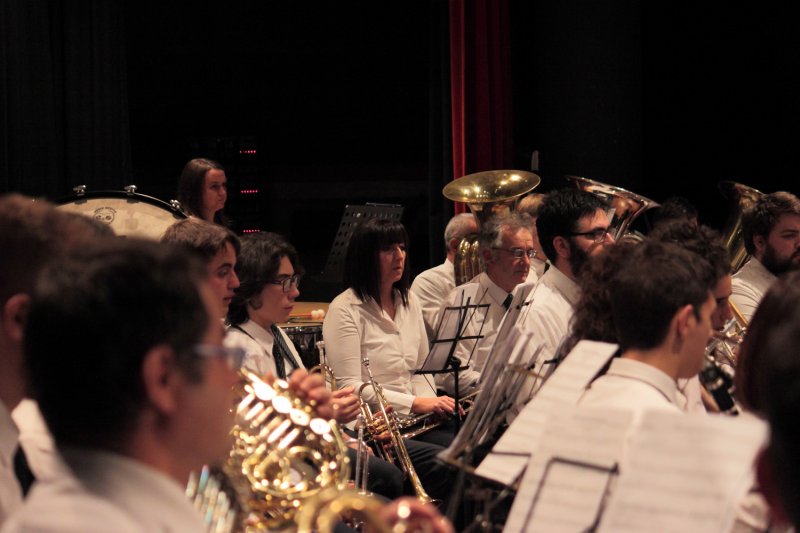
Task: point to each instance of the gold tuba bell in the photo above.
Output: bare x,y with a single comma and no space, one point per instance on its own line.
740,197
626,206
494,192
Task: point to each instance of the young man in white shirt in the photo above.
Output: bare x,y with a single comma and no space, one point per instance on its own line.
433,285
771,233
506,245
125,356
661,305
573,227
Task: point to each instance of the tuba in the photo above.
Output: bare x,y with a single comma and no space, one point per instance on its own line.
386,421
625,205
494,192
740,197
282,456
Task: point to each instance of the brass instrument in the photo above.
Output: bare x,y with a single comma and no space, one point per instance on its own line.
494,192
322,512
386,422
323,369
282,454
626,206
741,197
415,425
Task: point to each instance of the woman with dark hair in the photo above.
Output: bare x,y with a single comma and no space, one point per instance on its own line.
773,311
203,189
378,319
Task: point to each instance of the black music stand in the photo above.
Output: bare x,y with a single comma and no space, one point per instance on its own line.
353,214
441,359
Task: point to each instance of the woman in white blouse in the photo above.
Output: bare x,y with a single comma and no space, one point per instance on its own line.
378,318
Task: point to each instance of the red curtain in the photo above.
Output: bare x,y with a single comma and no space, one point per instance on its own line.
480,75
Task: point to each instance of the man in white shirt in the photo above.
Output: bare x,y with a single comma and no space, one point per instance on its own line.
155,402
573,227
433,285
506,245
706,243
662,328
31,235
771,233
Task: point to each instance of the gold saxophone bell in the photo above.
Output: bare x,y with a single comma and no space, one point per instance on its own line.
494,192
386,421
282,455
322,512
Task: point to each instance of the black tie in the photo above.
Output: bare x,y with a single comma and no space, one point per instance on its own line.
507,302
23,471
280,352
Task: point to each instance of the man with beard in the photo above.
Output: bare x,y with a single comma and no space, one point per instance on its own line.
572,227
771,231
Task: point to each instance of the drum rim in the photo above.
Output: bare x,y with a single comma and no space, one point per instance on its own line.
93,195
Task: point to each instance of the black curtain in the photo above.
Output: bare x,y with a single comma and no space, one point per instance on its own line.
63,98
440,147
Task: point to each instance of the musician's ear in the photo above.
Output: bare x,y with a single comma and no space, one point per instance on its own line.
562,246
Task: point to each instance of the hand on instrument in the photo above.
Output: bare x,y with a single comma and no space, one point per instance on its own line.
345,405
440,405
412,515
312,387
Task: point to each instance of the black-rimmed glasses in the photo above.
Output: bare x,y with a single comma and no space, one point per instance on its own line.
596,235
232,355
519,253
287,283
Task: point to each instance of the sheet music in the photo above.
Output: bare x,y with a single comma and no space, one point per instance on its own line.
563,388
568,497
684,473
468,294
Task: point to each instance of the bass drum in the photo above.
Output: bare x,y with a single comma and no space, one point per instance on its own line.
129,214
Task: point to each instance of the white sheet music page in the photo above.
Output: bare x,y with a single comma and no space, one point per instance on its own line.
567,475
564,388
684,473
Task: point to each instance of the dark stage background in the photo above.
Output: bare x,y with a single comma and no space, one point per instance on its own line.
321,104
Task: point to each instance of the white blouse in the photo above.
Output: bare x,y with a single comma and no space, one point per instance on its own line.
354,330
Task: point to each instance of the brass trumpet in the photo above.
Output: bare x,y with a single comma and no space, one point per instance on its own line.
386,421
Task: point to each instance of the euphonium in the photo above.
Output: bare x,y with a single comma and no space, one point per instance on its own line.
626,206
386,421
494,192
740,197
282,454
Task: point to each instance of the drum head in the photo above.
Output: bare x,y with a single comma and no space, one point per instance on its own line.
128,214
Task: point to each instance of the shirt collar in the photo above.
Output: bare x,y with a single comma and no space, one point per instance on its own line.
561,283
497,293
9,436
632,369
259,334
760,270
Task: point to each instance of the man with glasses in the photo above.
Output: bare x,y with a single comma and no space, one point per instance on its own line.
125,356
507,247
572,226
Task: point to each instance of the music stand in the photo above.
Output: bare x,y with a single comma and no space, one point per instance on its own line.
441,358
353,214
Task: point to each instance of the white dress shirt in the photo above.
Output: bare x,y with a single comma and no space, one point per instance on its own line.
749,285
632,385
550,311
34,436
354,329
432,287
485,321
257,345
536,271
107,492
690,396
10,491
